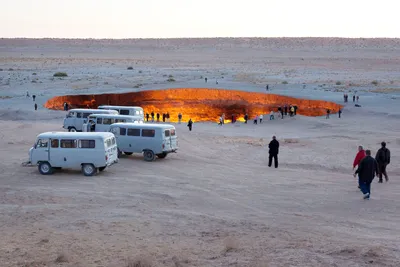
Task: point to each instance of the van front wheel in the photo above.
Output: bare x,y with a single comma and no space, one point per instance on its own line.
88,169
148,155
45,168
162,155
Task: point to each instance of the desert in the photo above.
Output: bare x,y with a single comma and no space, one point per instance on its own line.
215,202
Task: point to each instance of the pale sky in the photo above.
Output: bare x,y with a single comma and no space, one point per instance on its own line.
193,18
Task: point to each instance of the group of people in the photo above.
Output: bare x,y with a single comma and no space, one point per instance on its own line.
165,117
328,113
285,110
346,98
35,106
369,167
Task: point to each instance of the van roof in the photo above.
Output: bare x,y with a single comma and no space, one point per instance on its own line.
75,135
92,110
144,125
109,106
116,116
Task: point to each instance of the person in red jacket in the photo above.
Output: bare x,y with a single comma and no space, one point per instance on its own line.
360,155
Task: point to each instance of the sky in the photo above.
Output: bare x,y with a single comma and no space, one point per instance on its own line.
193,18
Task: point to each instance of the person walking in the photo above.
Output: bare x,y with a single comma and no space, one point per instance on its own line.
383,159
340,113
273,152
366,170
255,119
261,118
328,112
354,98
35,106
190,124
220,121
360,156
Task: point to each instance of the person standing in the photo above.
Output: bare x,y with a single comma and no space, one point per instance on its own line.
267,87
205,79
271,115
34,98
167,116
354,98
328,111
261,118
179,118
152,116
163,117
340,113
366,170
190,124
147,117
255,119
35,106
383,159
223,118
220,121
360,156
246,118
273,152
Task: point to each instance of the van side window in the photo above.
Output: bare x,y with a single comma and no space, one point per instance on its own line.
68,143
54,143
79,115
120,120
148,133
85,115
42,143
134,132
98,121
122,131
172,132
166,133
87,143
108,121
124,111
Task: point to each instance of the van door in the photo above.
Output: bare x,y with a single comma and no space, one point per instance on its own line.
167,140
41,151
56,154
173,139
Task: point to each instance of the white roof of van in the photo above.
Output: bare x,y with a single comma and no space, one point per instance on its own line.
116,116
144,125
110,106
75,135
92,110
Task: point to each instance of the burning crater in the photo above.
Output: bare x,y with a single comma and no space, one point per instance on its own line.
197,103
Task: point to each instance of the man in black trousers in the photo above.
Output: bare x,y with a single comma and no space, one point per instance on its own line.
273,152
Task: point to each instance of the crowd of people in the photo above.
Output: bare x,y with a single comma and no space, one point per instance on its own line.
369,167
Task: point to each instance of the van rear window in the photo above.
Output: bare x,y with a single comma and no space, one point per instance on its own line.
172,132
108,142
148,133
68,143
87,143
134,132
167,133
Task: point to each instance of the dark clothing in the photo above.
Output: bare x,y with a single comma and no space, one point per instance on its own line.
367,169
273,147
383,156
286,108
275,157
246,117
190,124
35,106
340,113
147,116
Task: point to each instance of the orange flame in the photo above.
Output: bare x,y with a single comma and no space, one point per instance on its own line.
198,104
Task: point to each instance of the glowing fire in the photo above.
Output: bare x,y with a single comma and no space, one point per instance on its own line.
198,104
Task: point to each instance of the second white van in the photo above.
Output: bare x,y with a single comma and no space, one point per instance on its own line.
102,122
125,110
77,117
150,139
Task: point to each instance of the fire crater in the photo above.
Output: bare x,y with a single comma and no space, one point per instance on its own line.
199,104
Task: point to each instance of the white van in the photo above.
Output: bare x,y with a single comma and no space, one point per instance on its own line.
87,151
125,110
150,139
102,122
77,117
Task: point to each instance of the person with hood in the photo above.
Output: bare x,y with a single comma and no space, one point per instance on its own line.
383,159
273,152
360,155
367,169
190,124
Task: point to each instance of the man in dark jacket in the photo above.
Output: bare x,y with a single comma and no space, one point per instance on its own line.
273,152
367,169
383,159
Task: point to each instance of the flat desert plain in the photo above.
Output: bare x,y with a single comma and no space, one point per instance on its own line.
215,202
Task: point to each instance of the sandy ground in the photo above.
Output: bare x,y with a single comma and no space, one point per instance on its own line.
215,202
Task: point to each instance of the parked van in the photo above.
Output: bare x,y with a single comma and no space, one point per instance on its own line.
77,117
125,110
150,139
102,122
87,151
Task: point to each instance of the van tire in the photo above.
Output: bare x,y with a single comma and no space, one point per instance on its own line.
162,155
128,153
102,168
148,155
45,168
72,129
88,169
